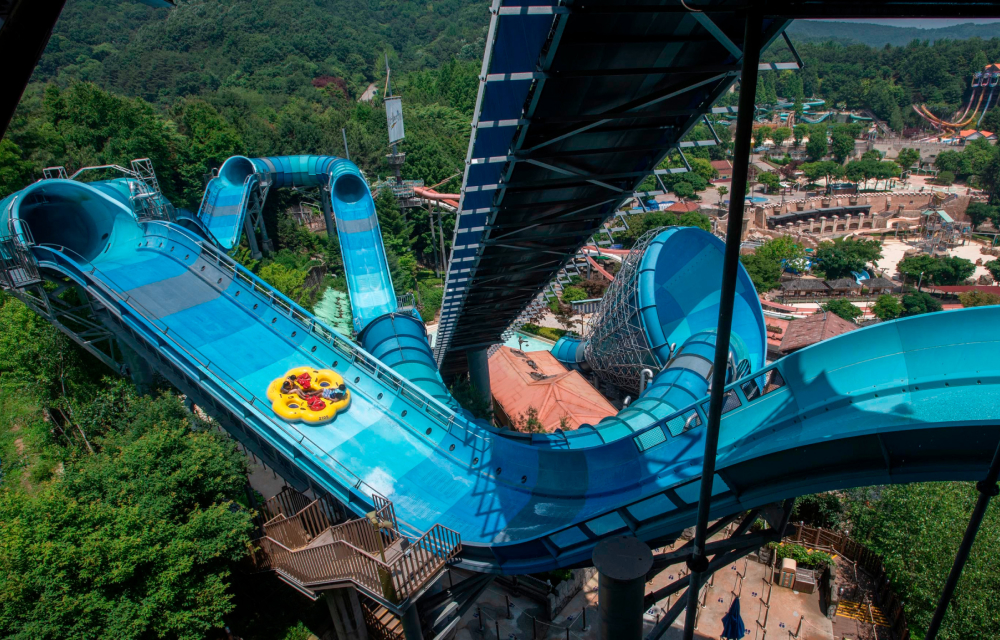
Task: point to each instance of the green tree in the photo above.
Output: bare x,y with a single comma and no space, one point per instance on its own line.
842,256
694,219
918,303
907,158
978,299
946,178
136,540
916,529
780,249
887,307
980,212
15,172
941,270
780,134
572,294
799,132
288,281
841,144
816,147
704,168
770,180
765,274
993,266
843,308
759,135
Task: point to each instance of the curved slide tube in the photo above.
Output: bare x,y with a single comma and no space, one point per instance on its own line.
224,208
901,401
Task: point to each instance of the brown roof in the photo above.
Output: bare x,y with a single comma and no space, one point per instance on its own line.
804,284
722,165
804,332
536,379
843,283
684,207
965,288
878,283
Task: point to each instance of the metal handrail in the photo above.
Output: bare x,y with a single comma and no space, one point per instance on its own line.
422,401
300,438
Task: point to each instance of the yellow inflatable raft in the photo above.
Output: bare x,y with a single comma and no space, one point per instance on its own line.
316,410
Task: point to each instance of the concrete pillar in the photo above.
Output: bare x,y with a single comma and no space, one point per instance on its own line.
411,623
622,563
359,616
349,625
479,372
324,201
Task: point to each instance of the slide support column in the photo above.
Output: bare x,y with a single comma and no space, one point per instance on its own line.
324,201
622,564
698,562
411,623
479,372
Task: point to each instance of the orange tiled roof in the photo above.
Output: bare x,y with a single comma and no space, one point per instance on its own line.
683,207
536,379
821,326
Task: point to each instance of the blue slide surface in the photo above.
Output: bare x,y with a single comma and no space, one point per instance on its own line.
914,399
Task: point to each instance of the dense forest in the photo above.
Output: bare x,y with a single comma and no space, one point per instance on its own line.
192,86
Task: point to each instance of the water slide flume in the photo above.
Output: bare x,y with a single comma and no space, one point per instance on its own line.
901,401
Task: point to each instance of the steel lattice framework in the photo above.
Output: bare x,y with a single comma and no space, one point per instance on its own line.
617,349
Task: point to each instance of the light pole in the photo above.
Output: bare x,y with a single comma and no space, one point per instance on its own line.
921,281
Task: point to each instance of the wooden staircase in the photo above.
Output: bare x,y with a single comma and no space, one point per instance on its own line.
381,623
303,546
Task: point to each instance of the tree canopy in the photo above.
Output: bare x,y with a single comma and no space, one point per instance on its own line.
942,270
842,256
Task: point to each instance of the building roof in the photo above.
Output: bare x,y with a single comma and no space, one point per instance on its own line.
722,165
683,207
965,288
776,328
804,284
821,326
843,283
939,213
878,283
536,379
965,133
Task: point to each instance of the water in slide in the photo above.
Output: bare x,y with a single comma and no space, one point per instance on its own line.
897,402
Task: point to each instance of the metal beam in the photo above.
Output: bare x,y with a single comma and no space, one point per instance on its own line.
987,489
698,563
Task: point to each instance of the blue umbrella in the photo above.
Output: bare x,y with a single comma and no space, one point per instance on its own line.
732,624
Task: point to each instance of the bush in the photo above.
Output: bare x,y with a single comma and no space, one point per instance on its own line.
548,333
573,293
843,308
915,304
887,308
819,510
802,556
945,178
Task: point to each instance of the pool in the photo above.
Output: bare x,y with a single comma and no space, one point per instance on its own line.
754,200
529,342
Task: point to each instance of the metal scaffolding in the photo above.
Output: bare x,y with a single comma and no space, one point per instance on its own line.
617,349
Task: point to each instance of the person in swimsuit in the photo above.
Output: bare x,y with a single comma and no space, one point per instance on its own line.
335,394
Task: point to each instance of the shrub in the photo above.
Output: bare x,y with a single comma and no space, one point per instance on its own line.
802,556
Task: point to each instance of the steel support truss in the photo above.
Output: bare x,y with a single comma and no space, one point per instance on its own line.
70,309
724,552
617,349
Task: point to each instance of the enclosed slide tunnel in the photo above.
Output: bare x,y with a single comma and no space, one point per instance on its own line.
902,401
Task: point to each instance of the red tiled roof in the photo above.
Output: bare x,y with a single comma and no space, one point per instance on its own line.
965,288
722,165
776,329
821,326
536,379
683,207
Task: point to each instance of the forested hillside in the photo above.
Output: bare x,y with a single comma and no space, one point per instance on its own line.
879,35
886,80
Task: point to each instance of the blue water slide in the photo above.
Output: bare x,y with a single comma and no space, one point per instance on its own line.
224,209
224,205
901,401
